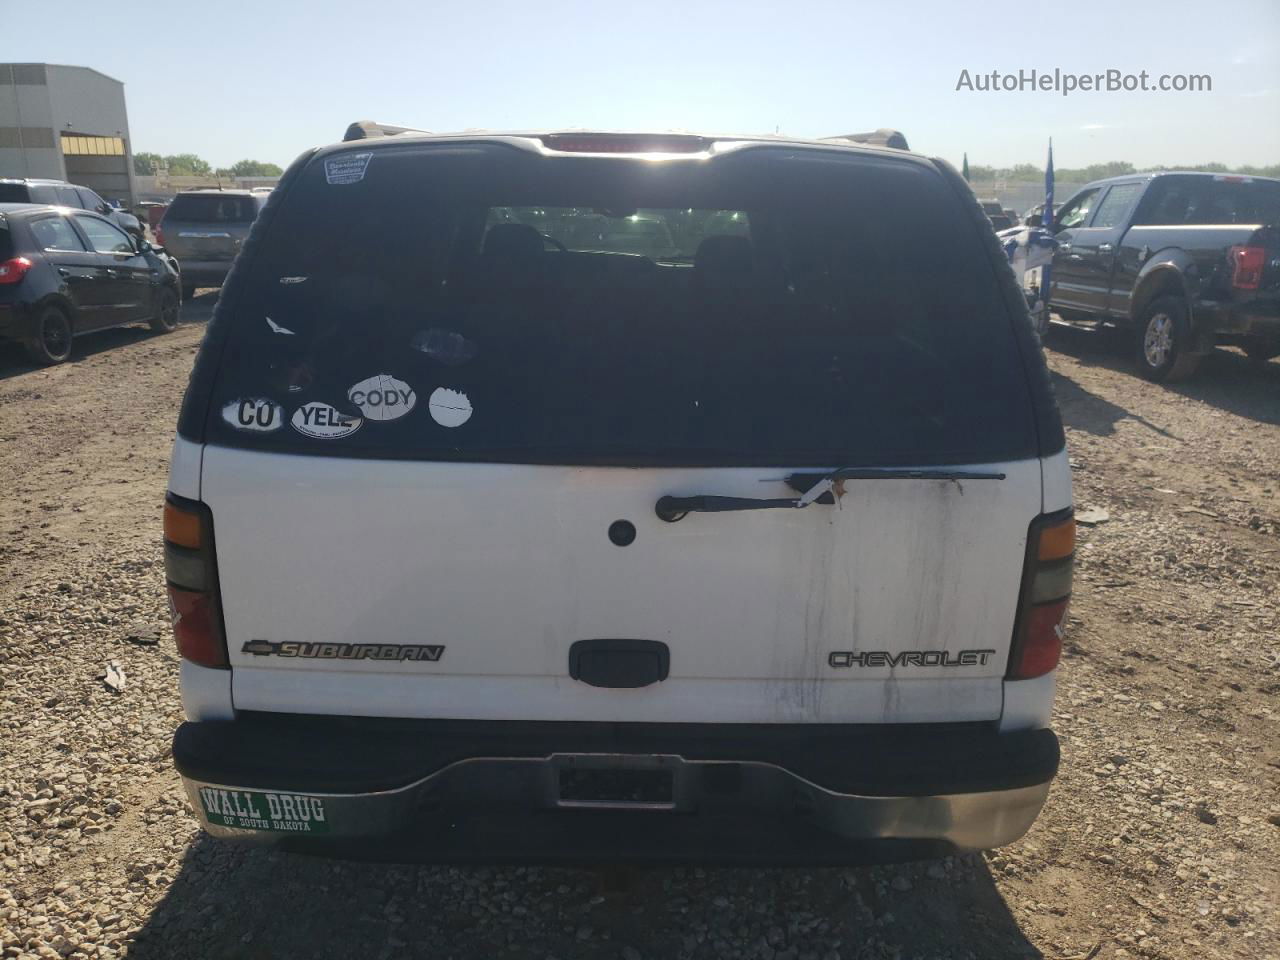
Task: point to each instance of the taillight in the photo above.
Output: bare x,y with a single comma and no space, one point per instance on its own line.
1046,592
14,269
1247,263
192,578
159,236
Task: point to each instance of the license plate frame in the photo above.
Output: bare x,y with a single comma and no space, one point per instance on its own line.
614,783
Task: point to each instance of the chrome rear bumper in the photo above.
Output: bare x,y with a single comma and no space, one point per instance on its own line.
706,790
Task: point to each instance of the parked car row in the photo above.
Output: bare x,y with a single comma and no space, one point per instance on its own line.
64,272
71,263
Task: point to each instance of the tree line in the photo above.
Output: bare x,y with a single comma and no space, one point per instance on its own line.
190,165
1100,171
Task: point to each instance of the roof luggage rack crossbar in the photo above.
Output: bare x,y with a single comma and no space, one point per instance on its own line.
884,137
368,129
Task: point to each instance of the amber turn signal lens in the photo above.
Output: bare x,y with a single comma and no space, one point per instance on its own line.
181,527
1058,541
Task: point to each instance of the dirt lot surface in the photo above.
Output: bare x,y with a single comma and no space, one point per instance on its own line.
1161,837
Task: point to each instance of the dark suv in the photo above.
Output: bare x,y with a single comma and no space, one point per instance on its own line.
59,193
204,230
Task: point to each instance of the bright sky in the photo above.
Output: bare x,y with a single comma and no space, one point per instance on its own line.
268,80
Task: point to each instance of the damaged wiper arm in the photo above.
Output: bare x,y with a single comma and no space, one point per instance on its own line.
889,473
814,487
672,509
830,484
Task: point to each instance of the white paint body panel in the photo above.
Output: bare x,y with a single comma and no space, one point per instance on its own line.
1028,704
206,693
1057,482
184,468
507,565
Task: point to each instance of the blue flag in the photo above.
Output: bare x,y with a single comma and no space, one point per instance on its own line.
1046,218
1046,272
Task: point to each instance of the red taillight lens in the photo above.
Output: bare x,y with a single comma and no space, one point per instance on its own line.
1046,593
195,627
159,236
1040,645
14,269
192,582
1246,267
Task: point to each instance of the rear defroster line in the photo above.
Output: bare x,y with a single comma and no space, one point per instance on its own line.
824,488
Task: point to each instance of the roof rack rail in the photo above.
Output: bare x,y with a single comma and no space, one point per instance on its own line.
884,137
368,129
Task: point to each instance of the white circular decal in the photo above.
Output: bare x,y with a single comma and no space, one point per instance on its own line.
258,414
383,397
319,420
449,408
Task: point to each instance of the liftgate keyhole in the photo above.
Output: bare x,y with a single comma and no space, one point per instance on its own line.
622,532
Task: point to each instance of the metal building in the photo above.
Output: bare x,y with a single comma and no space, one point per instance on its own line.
65,123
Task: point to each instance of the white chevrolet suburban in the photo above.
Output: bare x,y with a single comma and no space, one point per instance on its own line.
573,496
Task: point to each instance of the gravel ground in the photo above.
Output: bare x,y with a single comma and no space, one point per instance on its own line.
1161,837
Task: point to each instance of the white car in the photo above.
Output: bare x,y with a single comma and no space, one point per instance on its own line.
484,546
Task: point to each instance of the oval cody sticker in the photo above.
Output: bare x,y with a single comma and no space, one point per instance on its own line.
257,414
383,397
319,420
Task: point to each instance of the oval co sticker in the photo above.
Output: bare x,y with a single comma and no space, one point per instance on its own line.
258,414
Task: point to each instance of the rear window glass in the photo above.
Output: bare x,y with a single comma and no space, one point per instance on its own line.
206,208
13,193
54,233
6,244
1182,201
767,307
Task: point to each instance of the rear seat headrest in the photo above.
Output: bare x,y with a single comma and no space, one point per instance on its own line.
725,256
512,241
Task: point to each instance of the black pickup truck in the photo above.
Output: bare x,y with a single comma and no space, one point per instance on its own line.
1182,261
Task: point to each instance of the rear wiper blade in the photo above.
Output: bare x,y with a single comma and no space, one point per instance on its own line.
812,487
803,481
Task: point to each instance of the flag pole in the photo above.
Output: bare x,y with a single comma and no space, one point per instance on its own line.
1046,222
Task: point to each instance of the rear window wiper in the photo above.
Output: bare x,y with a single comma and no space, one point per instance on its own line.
812,487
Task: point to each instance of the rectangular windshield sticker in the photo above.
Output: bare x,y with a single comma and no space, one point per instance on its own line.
258,810
346,167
